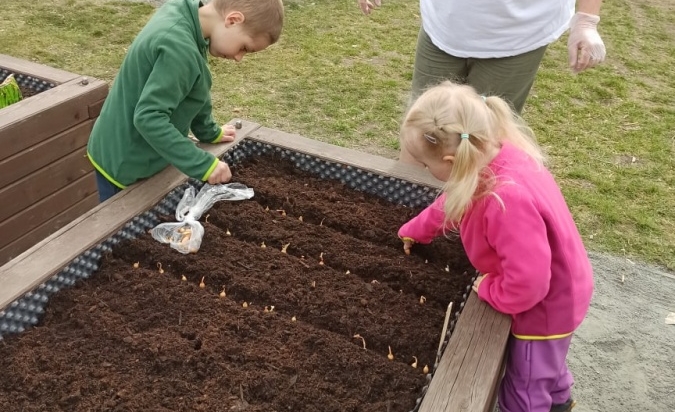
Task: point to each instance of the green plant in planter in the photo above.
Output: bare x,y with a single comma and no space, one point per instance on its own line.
9,92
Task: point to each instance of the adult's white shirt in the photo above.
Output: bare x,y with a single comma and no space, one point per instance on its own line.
494,28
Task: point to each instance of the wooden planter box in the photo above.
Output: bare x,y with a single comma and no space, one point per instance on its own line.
470,368
46,180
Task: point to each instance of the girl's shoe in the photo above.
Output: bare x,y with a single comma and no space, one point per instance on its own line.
564,407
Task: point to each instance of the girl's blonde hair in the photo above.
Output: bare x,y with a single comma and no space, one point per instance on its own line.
442,114
262,17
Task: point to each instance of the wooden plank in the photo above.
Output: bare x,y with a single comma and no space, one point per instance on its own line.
55,223
471,366
495,389
35,157
95,108
45,209
37,70
486,360
23,193
377,164
49,256
39,117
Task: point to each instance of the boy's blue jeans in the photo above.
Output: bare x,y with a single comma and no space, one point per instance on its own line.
106,190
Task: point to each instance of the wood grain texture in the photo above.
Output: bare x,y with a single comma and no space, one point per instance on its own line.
65,216
40,117
36,70
95,108
45,181
36,214
43,140
44,153
471,365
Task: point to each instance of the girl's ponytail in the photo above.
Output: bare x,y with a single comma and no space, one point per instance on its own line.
461,188
512,128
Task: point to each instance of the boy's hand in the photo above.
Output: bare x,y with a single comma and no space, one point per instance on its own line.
228,134
221,174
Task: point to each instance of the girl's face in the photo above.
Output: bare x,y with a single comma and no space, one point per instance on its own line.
439,164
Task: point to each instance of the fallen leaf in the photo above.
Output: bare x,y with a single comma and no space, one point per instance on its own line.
670,319
293,380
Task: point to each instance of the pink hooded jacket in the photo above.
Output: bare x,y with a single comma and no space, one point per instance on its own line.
537,268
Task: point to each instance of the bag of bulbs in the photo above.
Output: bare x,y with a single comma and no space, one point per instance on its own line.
186,235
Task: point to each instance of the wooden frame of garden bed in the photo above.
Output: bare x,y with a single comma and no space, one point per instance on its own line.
471,365
46,180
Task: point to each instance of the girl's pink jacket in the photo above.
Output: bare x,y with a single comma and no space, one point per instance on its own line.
537,268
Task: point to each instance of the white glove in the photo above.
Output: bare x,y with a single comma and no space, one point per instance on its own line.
366,6
584,44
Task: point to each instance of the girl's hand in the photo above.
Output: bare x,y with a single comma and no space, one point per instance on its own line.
476,283
407,244
228,134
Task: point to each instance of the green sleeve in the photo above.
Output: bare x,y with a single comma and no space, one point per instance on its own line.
169,83
204,127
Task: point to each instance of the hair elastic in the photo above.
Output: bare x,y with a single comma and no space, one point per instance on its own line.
464,135
484,98
430,138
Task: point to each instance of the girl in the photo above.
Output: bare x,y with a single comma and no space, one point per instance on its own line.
515,227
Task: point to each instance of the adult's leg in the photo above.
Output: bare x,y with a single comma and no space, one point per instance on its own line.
106,189
433,65
508,77
535,373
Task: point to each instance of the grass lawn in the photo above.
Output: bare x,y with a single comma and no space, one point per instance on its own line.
343,78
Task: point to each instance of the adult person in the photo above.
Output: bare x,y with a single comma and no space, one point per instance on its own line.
497,46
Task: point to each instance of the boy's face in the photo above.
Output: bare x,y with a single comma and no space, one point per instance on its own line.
230,39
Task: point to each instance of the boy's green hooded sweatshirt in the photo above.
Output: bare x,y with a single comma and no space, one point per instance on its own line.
161,92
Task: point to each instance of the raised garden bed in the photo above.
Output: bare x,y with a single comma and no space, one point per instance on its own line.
45,179
133,338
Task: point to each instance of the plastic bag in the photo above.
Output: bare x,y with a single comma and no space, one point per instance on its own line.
187,233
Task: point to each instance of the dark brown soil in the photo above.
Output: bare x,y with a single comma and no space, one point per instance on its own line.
27,92
132,339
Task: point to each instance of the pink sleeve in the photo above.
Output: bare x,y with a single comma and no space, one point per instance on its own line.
426,226
518,234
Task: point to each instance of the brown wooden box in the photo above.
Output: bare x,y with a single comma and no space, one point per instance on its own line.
46,180
470,368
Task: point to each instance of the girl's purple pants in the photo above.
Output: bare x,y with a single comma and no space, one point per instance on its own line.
536,375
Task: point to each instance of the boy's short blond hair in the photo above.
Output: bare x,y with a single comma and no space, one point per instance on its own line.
262,17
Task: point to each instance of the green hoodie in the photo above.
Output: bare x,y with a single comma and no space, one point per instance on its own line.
162,91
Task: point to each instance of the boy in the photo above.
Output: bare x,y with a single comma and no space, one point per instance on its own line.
162,91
